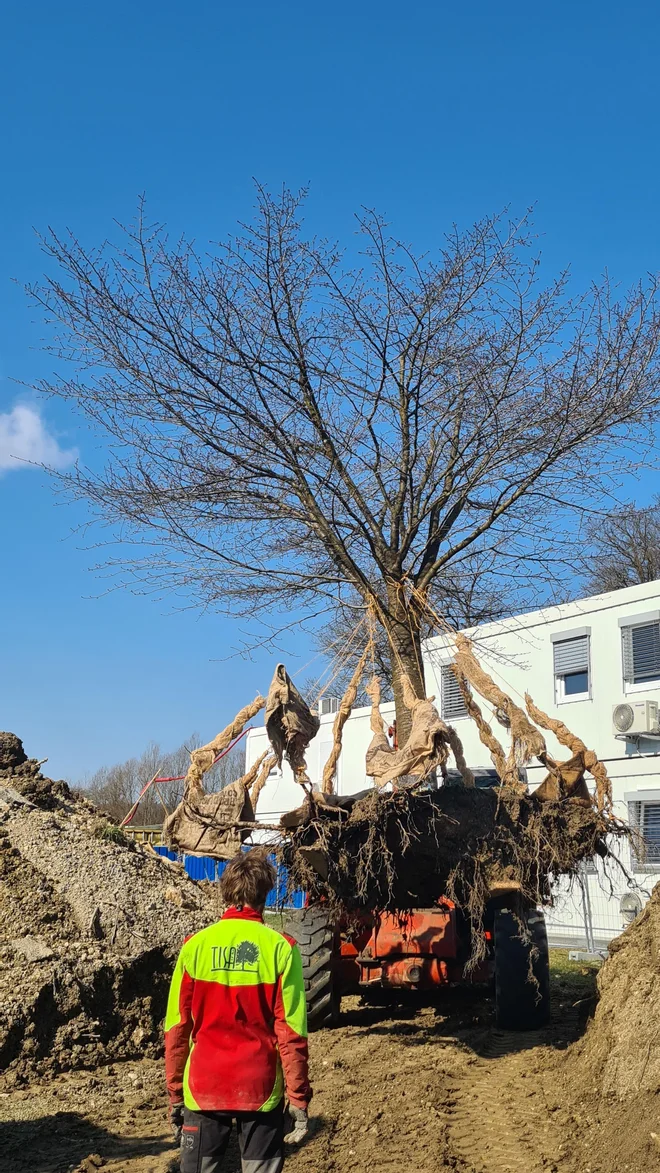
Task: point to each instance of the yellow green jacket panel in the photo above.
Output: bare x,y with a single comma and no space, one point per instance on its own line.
236,1023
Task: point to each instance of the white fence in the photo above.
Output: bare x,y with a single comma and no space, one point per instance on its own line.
589,911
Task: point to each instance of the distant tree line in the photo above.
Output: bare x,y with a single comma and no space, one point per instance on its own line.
115,788
624,548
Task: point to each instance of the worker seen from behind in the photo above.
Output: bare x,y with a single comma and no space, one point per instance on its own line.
236,1031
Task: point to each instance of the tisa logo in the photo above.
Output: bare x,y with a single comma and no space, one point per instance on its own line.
243,956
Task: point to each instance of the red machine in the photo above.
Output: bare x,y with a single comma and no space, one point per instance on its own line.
424,950
418,951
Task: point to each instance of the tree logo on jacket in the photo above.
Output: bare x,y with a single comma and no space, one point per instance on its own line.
243,956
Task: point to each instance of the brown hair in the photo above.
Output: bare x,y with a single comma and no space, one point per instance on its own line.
247,879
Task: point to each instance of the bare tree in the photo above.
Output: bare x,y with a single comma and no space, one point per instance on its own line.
625,548
115,788
461,604
294,433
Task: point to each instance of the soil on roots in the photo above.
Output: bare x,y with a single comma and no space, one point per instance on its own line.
407,849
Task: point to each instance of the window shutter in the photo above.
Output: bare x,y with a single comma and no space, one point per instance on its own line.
628,666
644,818
651,830
645,649
452,703
571,655
635,818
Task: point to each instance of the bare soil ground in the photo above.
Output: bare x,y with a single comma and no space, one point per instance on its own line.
409,1086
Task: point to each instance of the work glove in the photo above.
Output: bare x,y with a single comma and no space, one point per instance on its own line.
296,1125
176,1122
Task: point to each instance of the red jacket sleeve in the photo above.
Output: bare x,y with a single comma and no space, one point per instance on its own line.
291,1030
178,1029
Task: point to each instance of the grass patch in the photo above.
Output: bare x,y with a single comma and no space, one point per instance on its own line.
276,920
572,983
111,834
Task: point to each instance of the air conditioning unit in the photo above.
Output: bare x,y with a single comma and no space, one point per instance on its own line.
636,718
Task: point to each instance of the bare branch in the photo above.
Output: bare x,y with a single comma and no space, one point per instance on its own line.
287,433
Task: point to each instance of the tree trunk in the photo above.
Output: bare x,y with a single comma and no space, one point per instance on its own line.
404,638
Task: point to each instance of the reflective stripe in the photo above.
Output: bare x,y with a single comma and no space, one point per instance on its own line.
270,1165
210,1164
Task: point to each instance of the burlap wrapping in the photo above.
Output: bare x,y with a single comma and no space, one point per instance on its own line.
202,759
526,740
565,780
345,707
290,723
424,745
506,767
576,745
201,825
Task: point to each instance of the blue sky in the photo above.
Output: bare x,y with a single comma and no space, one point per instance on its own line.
432,112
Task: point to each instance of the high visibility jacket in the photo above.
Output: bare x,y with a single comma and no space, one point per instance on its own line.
236,1023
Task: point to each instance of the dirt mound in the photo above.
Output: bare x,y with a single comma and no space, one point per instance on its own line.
12,753
90,929
610,1079
620,1053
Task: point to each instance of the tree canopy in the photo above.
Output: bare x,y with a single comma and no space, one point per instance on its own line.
290,433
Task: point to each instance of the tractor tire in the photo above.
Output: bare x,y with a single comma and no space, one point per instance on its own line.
522,971
316,938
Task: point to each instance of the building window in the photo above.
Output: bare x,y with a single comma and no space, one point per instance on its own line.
641,654
644,818
452,704
571,668
329,704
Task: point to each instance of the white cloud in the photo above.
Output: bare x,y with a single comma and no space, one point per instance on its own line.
24,436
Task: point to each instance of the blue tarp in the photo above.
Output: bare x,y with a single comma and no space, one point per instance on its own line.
203,867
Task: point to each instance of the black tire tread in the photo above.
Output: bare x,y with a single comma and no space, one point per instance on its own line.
314,934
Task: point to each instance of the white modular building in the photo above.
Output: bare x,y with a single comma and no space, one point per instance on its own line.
595,664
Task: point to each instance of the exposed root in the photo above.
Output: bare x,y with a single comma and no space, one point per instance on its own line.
406,849
527,742
577,747
203,758
347,702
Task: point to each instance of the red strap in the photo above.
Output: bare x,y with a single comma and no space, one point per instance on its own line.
179,778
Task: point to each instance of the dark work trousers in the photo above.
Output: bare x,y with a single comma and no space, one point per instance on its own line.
205,1137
